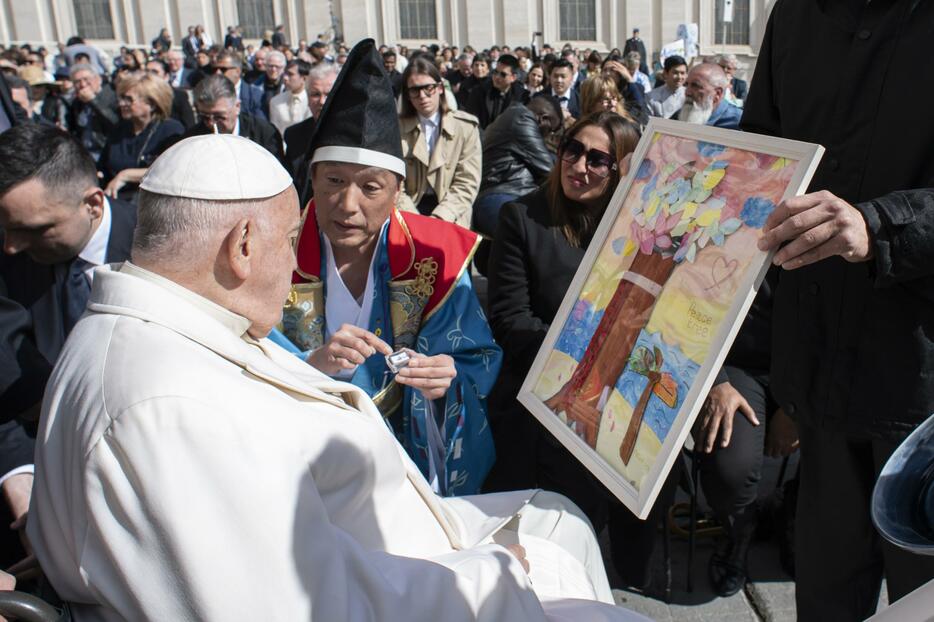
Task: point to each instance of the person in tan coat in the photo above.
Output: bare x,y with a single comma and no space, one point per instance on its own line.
441,148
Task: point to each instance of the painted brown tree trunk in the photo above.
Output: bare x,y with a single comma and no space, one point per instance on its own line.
635,423
608,352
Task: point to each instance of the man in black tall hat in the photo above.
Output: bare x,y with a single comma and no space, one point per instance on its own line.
373,282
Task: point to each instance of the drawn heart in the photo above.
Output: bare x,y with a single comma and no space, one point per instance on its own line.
722,270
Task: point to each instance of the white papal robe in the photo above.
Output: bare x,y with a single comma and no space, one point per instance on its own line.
186,471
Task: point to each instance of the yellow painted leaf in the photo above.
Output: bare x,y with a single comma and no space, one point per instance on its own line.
690,208
779,164
708,218
629,248
713,178
652,207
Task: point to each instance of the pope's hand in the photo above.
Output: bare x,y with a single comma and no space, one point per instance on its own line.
519,552
348,347
815,226
432,375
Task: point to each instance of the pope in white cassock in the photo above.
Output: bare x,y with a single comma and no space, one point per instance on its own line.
188,468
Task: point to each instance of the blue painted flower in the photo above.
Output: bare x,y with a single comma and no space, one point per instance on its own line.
755,211
646,169
709,150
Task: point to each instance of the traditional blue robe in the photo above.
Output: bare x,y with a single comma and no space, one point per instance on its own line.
456,327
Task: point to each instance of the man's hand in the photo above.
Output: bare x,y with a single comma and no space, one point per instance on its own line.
519,552
722,402
618,67
432,375
86,93
782,439
348,347
816,226
7,582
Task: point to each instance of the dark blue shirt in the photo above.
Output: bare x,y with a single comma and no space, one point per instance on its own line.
125,150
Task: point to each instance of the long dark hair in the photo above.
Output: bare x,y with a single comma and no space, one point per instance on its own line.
419,65
577,222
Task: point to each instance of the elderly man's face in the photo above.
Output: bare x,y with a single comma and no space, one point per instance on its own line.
352,202
274,248
318,91
222,114
48,228
729,68
259,60
274,68
175,61
699,90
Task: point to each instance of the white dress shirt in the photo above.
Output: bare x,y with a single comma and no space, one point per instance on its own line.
431,128
287,109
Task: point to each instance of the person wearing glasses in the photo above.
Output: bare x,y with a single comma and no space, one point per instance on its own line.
441,148
600,92
488,100
540,241
181,107
145,131
219,112
229,64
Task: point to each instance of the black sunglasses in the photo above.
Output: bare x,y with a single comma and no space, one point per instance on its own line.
502,74
600,163
427,89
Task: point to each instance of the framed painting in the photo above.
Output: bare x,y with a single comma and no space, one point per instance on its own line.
658,299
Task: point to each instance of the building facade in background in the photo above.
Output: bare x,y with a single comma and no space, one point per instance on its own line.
734,26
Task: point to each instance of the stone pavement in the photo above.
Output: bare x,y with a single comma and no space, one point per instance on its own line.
769,595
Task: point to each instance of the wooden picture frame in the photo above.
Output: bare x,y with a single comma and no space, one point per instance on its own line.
659,298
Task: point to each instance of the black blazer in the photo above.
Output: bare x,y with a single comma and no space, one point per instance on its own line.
297,143
259,131
32,329
531,268
480,104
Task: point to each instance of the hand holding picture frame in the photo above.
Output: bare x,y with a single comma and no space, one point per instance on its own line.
658,299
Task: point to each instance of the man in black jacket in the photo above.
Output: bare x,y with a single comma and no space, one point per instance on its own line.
298,137
493,96
853,314
516,159
93,115
219,112
57,226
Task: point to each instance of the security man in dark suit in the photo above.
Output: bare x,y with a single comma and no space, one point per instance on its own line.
219,112
57,226
298,137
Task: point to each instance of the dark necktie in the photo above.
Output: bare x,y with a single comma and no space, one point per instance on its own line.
77,291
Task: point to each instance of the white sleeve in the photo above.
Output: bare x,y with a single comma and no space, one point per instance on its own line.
26,468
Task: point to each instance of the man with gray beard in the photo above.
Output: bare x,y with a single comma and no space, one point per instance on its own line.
704,102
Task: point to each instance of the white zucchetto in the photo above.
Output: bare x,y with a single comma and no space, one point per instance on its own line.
216,167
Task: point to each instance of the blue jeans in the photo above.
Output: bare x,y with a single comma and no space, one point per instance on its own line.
486,211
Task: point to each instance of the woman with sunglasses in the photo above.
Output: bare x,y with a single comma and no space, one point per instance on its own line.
441,148
540,241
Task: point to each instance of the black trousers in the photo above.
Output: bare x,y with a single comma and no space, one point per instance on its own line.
840,557
730,475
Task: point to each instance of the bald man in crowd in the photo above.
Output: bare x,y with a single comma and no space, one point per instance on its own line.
705,101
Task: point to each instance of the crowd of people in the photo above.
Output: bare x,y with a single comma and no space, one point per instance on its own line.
267,227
